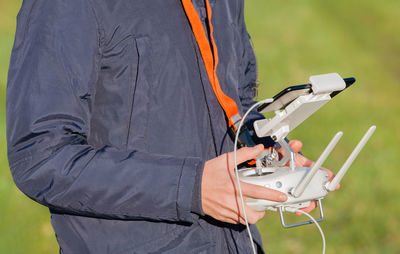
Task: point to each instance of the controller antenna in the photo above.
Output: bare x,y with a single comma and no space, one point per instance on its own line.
332,185
298,191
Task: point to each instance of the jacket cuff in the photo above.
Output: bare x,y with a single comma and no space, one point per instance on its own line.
187,182
196,206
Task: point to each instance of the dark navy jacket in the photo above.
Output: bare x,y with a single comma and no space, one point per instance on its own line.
111,117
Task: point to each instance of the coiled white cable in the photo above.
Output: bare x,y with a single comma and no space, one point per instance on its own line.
240,189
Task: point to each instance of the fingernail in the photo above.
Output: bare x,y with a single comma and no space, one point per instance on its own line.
283,197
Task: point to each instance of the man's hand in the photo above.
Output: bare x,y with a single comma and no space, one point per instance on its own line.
220,195
302,161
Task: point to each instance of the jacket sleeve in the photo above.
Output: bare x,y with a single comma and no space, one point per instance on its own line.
55,59
249,82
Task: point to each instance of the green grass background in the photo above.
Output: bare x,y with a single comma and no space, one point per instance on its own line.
293,40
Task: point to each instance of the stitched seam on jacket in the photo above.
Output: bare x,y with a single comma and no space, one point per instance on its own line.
97,64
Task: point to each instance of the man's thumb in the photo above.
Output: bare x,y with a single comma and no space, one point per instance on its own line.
247,153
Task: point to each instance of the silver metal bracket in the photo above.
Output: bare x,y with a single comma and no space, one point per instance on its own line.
321,212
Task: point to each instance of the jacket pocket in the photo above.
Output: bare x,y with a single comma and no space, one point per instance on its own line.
121,97
139,93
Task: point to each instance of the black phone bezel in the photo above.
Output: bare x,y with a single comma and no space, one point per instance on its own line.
305,87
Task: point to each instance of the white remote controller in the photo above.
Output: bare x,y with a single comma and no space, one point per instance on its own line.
301,184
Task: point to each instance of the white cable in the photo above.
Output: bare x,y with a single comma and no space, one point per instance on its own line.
318,226
240,189
237,171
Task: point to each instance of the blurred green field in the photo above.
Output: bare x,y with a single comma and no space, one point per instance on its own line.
292,40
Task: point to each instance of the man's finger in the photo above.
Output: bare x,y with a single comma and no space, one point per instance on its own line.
252,216
234,216
260,192
296,145
331,176
308,209
246,153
